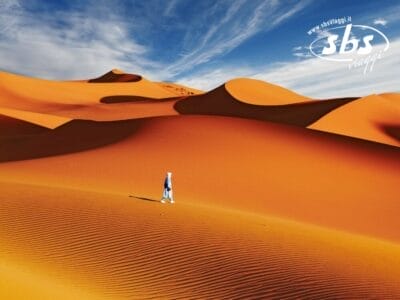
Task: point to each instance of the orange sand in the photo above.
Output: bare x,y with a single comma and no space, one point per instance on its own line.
300,174
264,208
178,89
375,118
45,120
115,247
80,100
222,102
258,92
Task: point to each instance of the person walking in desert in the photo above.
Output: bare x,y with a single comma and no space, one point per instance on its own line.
167,193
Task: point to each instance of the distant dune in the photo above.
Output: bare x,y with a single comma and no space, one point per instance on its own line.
80,100
278,195
375,118
179,90
259,92
295,110
116,75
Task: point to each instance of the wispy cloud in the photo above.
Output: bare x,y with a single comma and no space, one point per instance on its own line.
325,79
7,9
382,15
211,78
313,77
301,52
380,21
67,45
89,39
169,8
304,54
240,22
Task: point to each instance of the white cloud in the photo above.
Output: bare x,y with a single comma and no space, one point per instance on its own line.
210,79
302,54
314,77
380,21
84,46
383,14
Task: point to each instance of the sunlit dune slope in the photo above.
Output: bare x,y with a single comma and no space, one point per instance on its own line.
80,245
81,100
375,118
297,173
19,281
221,102
45,120
27,90
259,92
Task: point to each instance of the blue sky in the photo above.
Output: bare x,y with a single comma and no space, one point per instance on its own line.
199,43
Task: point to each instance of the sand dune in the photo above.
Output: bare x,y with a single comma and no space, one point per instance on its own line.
259,92
11,127
375,118
303,175
76,136
20,91
264,209
80,100
116,75
45,120
178,89
124,248
221,102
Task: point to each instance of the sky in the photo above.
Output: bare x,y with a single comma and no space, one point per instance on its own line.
201,43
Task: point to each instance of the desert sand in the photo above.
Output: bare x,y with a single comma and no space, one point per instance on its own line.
374,118
278,195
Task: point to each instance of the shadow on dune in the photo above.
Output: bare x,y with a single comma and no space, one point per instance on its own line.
115,77
392,131
220,102
11,127
134,99
75,136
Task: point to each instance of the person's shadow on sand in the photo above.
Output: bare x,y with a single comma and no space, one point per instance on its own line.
143,198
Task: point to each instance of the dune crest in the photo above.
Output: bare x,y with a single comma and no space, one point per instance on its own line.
221,102
258,92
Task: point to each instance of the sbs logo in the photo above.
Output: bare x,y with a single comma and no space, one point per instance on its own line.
336,44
